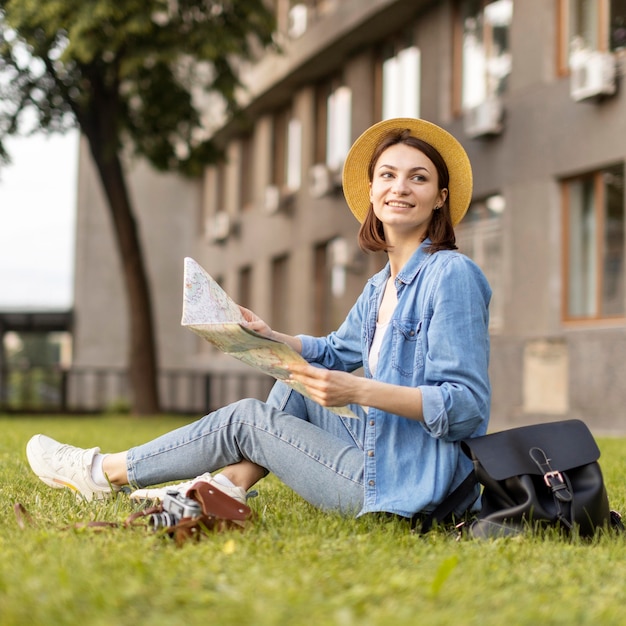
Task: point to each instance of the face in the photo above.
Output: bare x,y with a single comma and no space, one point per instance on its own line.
404,190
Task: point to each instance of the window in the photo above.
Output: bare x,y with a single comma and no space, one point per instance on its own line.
617,25
339,127
589,25
246,179
280,291
286,152
484,49
220,181
401,84
594,244
209,196
479,236
215,219
333,123
245,287
321,291
279,148
294,154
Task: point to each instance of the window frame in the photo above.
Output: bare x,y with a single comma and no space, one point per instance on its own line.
564,37
395,48
458,33
599,212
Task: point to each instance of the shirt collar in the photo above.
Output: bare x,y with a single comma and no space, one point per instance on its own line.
410,270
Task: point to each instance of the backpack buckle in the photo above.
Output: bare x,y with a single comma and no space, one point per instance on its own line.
554,474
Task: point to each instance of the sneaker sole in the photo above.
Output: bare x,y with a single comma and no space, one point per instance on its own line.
152,495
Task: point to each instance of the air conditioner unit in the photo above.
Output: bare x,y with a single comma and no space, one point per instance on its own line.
323,180
277,199
592,75
484,119
271,200
297,20
218,227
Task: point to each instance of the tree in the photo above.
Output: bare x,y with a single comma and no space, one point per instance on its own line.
128,75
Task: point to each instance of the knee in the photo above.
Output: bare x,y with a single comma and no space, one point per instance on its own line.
241,411
279,394
247,406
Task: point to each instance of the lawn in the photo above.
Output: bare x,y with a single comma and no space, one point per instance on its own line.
294,565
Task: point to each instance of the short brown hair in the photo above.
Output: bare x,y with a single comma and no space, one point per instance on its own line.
440,230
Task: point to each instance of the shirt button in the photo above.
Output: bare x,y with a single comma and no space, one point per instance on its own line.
412,333
371,483
371,422
370,453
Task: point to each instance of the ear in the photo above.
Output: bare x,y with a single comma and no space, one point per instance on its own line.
443,194
370,188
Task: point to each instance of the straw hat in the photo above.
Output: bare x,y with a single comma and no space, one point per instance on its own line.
355,176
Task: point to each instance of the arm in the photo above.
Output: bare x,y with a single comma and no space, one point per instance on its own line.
334,388
255,323
448,389
456,393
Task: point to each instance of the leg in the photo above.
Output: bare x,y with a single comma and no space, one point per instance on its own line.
114,466
284,398
324,468
243,473
314,451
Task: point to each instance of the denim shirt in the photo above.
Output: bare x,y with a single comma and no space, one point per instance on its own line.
438,341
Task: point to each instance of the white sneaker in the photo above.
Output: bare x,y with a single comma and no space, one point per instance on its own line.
63,466
158,493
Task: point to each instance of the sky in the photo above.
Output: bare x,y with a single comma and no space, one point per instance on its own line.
37,222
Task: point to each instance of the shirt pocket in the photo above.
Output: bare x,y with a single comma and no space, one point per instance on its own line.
406,347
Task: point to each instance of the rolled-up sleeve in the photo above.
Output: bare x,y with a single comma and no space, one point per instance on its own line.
456,391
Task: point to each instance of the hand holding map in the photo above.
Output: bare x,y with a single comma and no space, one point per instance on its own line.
209,312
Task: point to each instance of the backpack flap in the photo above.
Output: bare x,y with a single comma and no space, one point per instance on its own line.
567,444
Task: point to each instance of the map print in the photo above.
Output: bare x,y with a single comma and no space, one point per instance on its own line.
209,312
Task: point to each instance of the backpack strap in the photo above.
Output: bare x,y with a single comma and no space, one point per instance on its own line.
447,506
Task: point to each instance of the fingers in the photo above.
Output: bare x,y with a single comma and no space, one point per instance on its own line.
303,372
318,382
248,314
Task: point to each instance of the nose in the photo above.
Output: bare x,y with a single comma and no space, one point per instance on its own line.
400,186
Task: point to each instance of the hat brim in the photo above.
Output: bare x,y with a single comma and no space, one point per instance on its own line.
355,176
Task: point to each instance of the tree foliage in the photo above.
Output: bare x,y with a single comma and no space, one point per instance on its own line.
142,59
134,77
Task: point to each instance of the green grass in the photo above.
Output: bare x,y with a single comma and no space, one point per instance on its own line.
294,565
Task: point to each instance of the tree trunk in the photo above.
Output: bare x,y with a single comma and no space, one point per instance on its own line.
142,357
99,122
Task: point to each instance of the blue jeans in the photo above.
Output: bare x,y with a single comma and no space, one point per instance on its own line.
312,450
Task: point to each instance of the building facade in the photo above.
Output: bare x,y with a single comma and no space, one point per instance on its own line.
532,90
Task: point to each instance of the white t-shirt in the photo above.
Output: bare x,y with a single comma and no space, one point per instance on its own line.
377,342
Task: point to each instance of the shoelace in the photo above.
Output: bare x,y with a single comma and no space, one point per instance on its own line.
70,455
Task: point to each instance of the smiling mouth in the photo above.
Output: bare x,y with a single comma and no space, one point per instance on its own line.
399,205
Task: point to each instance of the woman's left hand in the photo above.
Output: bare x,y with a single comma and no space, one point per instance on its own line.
255,323
327,387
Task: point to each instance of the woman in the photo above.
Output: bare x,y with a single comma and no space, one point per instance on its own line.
419,330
